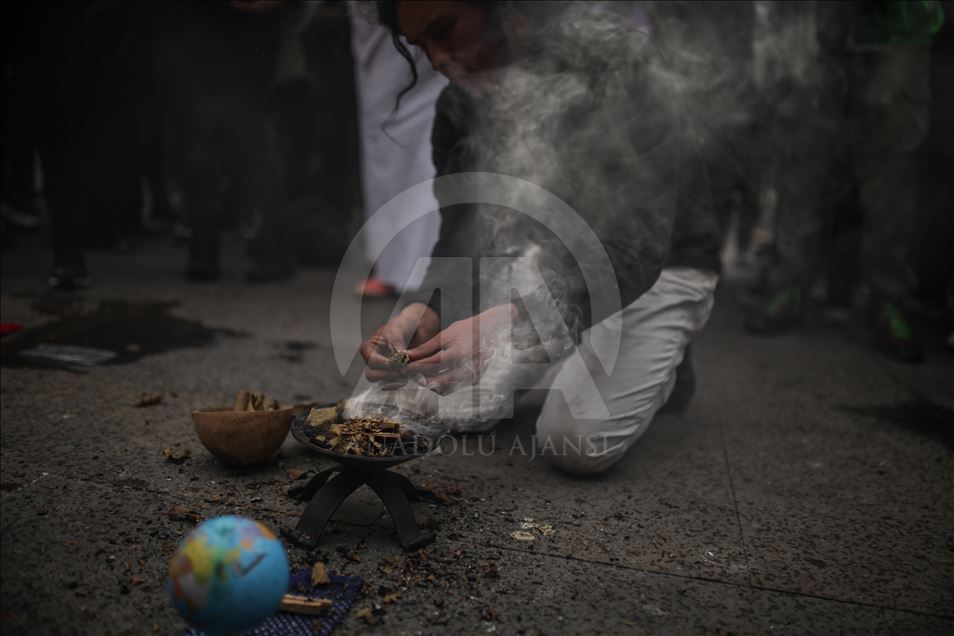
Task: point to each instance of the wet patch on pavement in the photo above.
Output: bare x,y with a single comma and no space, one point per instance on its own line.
131,331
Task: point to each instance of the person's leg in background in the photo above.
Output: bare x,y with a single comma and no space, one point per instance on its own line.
840,248
890,116
289,137
54,75
395,154
803,168
203,185
325,183
930,254
20,207
656,330
259,192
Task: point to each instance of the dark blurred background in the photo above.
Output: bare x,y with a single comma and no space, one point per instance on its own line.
126,122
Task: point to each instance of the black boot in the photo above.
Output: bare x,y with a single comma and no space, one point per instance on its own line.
69,272
203,265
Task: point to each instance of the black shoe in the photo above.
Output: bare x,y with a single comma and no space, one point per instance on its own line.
684,388
780,312
202,270
893,334
69,275
203,265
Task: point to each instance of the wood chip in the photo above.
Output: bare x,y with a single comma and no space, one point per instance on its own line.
304,605
319,574
176,455
365,436
322,417
148,399
182,513
241,401
367,615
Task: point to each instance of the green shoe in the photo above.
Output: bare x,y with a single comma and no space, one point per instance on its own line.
893,334
783,310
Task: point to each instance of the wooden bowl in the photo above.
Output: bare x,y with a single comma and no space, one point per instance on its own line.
242,438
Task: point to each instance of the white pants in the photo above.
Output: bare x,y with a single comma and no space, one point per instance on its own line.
395,157
656,329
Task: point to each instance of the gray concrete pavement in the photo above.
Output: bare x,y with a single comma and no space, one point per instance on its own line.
808,489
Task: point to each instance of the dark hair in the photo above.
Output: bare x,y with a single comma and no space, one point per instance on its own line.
496,10
387,16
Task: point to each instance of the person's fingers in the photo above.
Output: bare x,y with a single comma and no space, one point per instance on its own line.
449,382
377,361
383,375
425,350
440,362
419,338
367,348
376,350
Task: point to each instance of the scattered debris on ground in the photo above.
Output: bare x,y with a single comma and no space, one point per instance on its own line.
444,495
367,615
183,513
319,574
176,455
528,524
148,399
296,473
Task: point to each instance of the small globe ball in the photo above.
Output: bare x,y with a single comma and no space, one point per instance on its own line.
228,575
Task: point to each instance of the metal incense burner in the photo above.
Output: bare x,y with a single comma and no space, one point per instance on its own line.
326,491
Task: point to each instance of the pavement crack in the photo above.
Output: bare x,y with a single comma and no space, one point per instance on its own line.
705,579
28,484
735,501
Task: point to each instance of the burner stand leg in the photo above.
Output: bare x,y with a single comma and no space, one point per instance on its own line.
414,493
304,492
391,489
322,505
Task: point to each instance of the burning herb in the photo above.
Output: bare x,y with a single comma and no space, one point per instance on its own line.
397,357
366,436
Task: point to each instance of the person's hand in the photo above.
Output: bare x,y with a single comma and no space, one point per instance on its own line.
414,325
458,355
